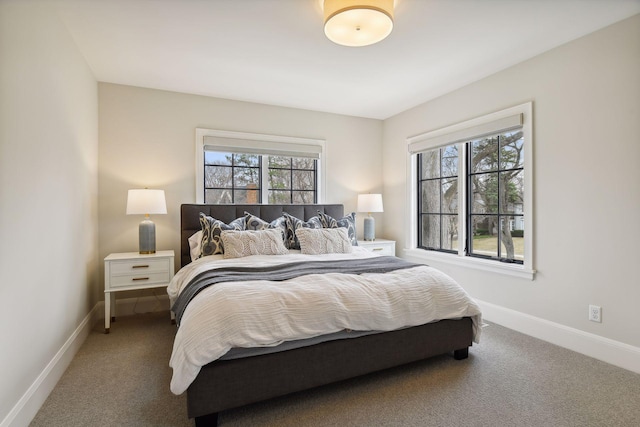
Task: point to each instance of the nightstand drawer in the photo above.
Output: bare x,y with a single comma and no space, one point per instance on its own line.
380,246
139,267
140,279
382,250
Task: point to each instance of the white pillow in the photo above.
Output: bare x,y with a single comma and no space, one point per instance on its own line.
238,244
316,241
195,244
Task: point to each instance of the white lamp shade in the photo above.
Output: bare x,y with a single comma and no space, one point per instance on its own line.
370,203
357,22
146,202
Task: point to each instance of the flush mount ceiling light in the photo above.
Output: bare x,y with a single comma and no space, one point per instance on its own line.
357,22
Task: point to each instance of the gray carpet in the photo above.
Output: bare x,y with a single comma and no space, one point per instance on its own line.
510,379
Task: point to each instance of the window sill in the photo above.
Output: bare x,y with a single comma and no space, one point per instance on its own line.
514,270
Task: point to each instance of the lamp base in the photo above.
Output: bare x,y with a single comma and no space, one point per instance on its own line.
369,228
147,237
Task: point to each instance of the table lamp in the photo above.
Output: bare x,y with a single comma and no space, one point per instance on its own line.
146,202
369,203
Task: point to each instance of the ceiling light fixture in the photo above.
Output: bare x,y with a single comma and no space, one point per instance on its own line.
358,22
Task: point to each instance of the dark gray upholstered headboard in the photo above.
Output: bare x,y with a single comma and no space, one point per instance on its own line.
190,217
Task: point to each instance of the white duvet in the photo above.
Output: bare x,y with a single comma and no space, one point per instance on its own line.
260,313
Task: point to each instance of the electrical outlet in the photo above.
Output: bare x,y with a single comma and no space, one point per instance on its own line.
595,313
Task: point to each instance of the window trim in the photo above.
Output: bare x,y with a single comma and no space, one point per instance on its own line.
448,135
265,144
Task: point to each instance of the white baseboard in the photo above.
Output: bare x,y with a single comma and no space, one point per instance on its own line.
614,352
605,349
30,402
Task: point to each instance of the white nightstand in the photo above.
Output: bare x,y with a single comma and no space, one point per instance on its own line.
132,271
379,246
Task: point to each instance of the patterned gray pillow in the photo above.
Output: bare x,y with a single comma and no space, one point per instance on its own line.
211,228
255,223
292,224
348,222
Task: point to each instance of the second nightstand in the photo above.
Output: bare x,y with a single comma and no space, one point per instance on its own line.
379,246
132,271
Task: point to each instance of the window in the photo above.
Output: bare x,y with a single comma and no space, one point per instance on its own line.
438,199
471,192
231,178
495,184
234,167
292,180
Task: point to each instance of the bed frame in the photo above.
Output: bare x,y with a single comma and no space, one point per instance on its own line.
226,384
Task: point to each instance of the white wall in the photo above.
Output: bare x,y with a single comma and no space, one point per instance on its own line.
147,139
48,194
586,102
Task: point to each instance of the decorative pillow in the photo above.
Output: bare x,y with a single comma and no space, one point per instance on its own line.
195,248
324,241
293,224
253,222
211,243
238,244
348,222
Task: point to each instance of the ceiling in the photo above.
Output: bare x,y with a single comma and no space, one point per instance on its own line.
275,52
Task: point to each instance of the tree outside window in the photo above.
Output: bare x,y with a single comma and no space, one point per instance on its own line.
494,189
237,178
496,196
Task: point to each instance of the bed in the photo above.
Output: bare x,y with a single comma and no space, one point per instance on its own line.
276,369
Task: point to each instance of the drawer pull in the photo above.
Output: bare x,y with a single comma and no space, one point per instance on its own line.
140,266
377,249
135,279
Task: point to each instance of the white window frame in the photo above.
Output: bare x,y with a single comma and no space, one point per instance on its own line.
460,132
273,144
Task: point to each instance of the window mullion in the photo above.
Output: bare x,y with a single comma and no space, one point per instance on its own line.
264,179
418,206
233,178
469,201
462,194
291,181
441,199
500,218
315,181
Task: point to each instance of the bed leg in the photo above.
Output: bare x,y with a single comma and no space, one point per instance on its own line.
460,354
209,420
